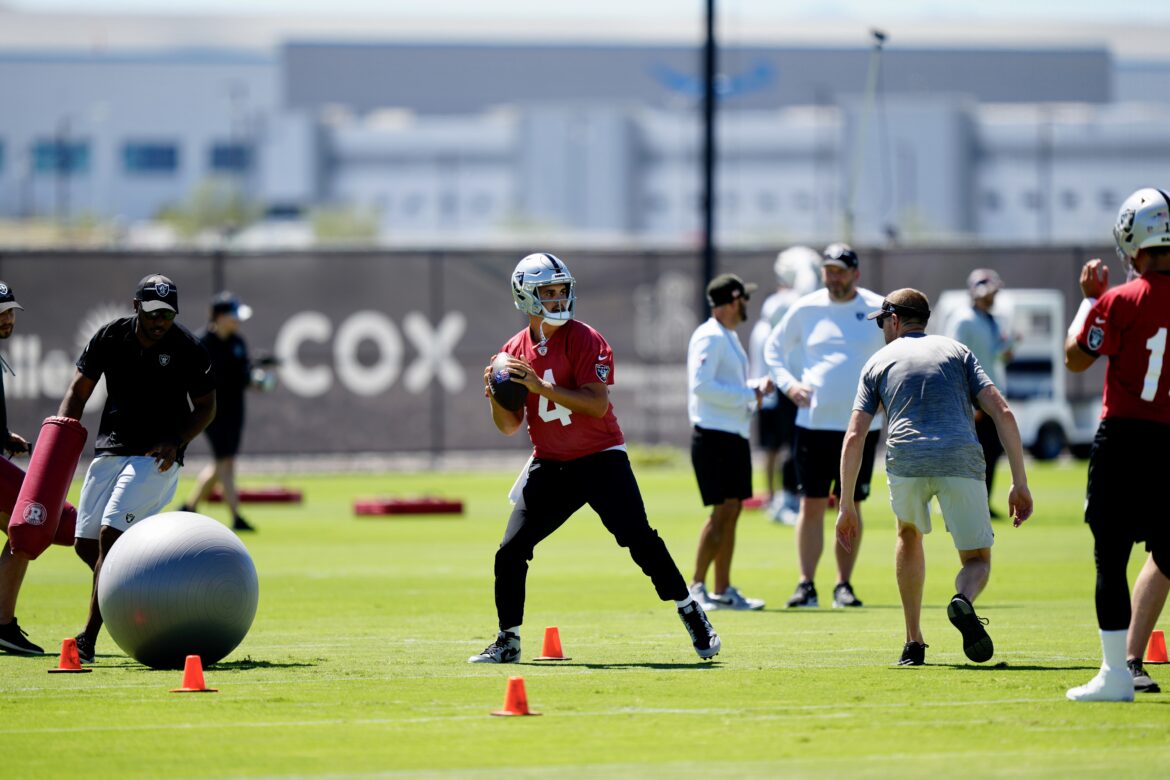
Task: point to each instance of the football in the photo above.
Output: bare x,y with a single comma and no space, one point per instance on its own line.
507,393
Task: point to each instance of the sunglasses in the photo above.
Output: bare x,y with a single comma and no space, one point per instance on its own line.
159,314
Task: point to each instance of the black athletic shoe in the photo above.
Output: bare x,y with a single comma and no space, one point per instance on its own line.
1142,683
913,654
976,643
240,524
843,596
805,596
13,639
85,648
703,637
505,650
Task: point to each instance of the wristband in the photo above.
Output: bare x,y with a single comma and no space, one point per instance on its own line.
1078,322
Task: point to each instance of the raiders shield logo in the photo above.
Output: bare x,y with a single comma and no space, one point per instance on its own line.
35,514
3,288
602,370
163,289
164,360
1096,337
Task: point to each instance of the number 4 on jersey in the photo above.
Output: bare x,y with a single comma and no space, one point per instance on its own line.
548,411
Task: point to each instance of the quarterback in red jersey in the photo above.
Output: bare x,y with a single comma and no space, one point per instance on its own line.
1128,325
579,455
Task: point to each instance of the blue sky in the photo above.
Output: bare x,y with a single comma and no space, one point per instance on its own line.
943,11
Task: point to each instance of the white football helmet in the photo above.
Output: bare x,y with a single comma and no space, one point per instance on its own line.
1143,221
799,267
538,270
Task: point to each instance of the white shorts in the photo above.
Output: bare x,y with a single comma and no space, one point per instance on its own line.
963,502
121,489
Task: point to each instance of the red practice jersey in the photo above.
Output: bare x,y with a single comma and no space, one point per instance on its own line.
1130,325
575,355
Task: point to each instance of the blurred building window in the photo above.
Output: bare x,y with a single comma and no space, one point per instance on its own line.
481,203
1031,200
150,157
1069,200
766,201
802,200
68,157
654,202
231,157
412,204
1108,200
991,200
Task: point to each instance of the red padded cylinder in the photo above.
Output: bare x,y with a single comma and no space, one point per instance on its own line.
37,512
11,478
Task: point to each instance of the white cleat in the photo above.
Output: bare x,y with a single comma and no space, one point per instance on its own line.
1108,685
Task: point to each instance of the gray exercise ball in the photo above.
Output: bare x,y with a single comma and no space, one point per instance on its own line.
178,584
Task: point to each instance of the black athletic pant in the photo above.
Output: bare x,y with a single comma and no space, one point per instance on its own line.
988,437
1121,511
557,489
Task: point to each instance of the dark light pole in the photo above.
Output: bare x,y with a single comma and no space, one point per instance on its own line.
709,259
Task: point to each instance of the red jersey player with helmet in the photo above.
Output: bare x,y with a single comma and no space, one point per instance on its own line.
1129,325
579,455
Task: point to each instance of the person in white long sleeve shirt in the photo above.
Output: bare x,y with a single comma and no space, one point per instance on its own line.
826,334
720,402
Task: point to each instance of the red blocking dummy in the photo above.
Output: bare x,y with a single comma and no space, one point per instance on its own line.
41,499
11,478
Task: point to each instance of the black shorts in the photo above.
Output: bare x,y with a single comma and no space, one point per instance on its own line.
776,427
224,435
818,463
723,465
1127,457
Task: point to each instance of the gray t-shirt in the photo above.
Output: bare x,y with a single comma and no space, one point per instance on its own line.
928,385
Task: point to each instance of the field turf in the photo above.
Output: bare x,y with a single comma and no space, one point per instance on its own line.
356,664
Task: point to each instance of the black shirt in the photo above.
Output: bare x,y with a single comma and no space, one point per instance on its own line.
232,374
147,387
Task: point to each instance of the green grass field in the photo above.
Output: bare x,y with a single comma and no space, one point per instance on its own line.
356,664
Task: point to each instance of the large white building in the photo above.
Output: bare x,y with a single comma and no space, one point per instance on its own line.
465,143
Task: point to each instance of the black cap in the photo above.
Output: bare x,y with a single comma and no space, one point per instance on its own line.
906,301
841,255
8,299
229,303
725,288
157,292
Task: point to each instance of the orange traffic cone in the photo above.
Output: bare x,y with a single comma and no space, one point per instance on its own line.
551,649
515,700
69,662
193,677
1156,649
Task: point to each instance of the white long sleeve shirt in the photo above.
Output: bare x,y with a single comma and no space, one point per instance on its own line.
827,344
718,395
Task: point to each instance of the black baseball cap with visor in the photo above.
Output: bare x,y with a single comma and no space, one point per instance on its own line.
902,310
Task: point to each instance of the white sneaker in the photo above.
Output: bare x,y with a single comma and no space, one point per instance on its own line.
1108,685
785,508
699,593
733,599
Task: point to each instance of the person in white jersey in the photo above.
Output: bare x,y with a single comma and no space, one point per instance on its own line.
721,399
798,272
826,338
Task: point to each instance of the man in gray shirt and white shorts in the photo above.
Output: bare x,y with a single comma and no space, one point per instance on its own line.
927,383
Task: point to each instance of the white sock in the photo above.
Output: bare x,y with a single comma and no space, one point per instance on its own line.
1113,650
513,630
688,600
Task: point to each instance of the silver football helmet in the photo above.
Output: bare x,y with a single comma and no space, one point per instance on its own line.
538,270
799,267
1143,221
